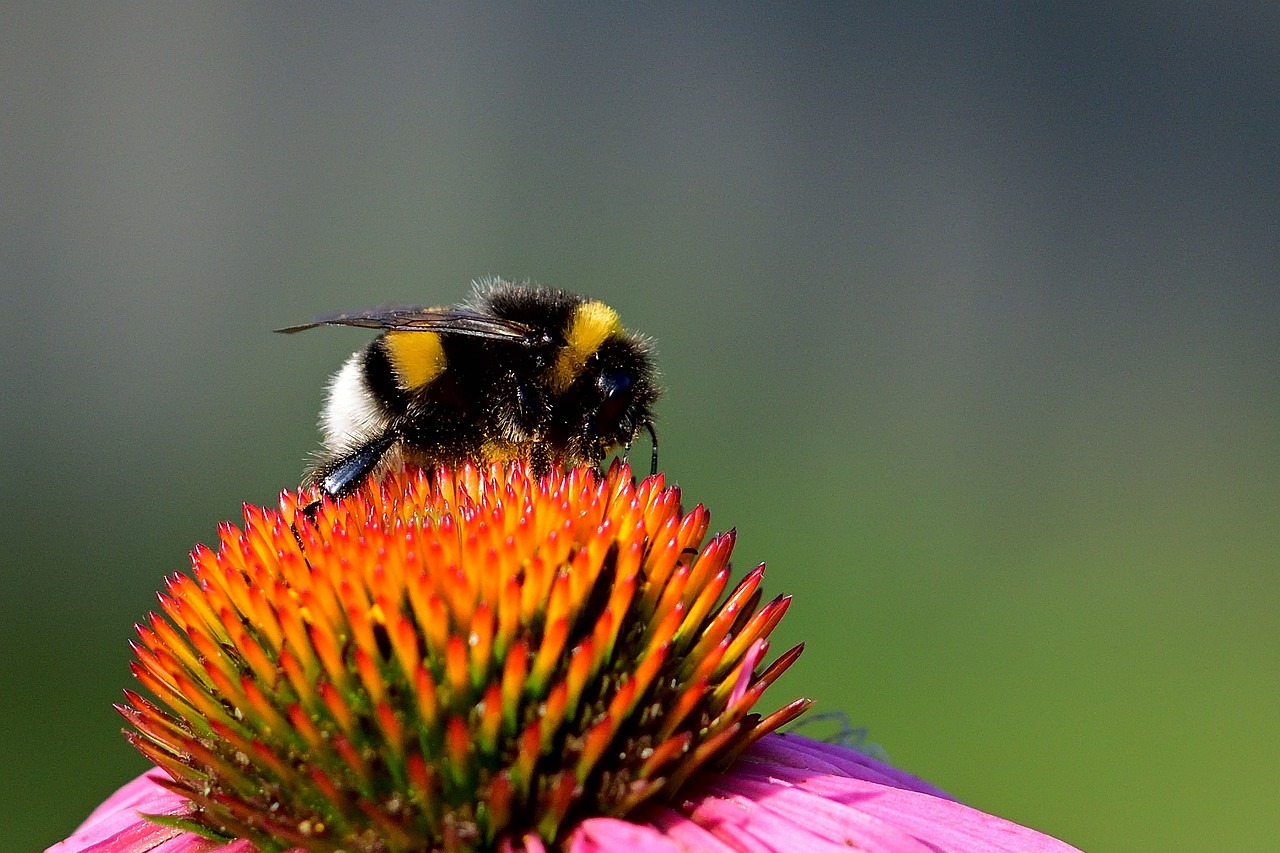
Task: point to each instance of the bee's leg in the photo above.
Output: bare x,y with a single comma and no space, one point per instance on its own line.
342,477
539,459
310,512
653,436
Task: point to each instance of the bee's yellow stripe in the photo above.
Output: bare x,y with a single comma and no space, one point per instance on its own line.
592,324
418,358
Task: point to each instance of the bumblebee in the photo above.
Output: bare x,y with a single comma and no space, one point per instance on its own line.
520,372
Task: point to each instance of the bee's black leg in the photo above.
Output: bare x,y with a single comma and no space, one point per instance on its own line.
539,459
341,478
344,476
653,436
309,511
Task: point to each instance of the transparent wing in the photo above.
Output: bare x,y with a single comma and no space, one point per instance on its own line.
451,321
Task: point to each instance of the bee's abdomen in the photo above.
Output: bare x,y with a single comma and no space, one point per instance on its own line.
381,379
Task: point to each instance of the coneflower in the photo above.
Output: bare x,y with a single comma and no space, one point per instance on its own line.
487,660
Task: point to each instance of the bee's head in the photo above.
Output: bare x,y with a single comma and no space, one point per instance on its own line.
622,381
603,381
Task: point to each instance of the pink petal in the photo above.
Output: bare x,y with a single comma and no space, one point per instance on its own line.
724,828
117,827
606,834
788,793
836,760
683,831
734,818
819,799
834,822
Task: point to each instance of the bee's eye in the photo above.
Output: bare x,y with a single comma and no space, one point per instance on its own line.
613,421
614,382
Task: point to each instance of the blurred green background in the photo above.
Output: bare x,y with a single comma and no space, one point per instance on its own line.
968,320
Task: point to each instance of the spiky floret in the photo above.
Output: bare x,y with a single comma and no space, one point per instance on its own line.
447,660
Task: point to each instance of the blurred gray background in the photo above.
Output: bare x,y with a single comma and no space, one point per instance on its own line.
968,321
